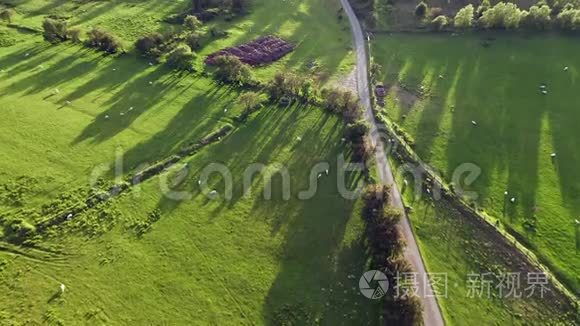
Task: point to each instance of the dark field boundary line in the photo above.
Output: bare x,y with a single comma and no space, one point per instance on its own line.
137,178
406,154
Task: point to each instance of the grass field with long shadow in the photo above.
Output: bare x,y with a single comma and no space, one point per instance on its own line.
246,260
450,81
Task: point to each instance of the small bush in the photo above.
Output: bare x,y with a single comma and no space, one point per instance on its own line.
355,132
150,44
421,9
251,102
181,58
102,40
7,15
18,230
55,30
192,23
339,101
464,17
230,69
439,23
193,40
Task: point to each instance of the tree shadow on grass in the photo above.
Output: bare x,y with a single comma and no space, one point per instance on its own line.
193,121
316,264
127,104
48,77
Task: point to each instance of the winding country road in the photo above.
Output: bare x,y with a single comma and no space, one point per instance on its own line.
431,312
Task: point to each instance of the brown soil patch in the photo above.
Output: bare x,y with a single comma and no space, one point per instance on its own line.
406,98
348,82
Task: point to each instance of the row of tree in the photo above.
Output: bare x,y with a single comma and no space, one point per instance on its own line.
57,30
386,245
505,16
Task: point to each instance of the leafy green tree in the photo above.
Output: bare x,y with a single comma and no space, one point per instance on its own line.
150,43
102,40
75,35
539,16
376,71
464,17
249,100
181,58
439,23
502,15
569,19
421,9
230,69
192,23
193,39
355,132
483,7
55,30
306,89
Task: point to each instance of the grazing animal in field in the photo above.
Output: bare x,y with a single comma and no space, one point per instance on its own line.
62,288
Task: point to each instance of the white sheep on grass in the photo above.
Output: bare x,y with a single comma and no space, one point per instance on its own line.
213,194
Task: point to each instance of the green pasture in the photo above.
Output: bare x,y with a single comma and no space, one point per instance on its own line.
450,81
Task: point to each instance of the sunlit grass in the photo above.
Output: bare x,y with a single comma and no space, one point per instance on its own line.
517,127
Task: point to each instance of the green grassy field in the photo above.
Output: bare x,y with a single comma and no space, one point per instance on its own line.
451,81
174,110
457,245
68,113
247,261
54,144
312,25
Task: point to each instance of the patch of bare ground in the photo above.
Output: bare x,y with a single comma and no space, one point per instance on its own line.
405,97
348,81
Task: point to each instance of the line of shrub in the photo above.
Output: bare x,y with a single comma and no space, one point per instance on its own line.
56,30
386,246
19,230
